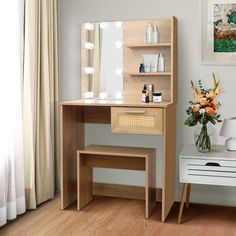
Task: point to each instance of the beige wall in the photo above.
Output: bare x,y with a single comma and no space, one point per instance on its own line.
73,12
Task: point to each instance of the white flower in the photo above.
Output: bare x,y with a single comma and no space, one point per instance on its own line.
202,111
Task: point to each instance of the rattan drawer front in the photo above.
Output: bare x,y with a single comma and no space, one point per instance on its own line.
137,120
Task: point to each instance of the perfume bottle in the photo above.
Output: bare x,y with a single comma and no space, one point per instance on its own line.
147,97
144,93
150,91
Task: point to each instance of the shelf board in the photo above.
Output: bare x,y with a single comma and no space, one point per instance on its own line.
148,45
150,74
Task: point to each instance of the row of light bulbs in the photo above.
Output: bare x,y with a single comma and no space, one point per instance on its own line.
103,25
90,46
90,70
102,95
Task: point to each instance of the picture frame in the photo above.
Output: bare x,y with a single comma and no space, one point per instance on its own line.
218,36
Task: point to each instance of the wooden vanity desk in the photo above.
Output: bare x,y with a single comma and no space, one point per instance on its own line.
127,116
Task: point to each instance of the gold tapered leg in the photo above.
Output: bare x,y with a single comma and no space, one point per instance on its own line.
182,202
188,195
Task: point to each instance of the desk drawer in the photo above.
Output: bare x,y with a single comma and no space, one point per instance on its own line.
137,120
208,171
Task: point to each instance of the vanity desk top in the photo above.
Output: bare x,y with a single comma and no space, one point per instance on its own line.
115,103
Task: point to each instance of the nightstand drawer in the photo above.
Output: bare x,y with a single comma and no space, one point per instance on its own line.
208,171
137,120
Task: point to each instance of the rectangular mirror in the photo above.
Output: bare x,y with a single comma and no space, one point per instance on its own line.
102,60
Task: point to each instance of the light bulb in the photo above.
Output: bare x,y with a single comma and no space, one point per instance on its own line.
88,45
88,95
119,44
118,95
103,95
104,25
89,70
119,71
89,26
118,24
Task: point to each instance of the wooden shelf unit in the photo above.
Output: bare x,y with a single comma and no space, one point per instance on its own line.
134,32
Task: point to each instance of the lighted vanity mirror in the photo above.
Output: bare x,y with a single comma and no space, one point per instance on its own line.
102,60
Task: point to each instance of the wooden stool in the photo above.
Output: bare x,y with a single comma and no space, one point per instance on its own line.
130,158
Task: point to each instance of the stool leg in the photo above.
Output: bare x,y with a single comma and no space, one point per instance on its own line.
188,195
182,202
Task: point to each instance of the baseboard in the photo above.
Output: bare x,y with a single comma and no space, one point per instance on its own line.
123,191
211,199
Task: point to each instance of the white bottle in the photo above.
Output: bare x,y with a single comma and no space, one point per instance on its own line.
155,34
161,63
149,37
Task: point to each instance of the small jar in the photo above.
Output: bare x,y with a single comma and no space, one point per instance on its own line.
157,97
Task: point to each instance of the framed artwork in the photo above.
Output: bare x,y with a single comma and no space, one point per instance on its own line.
218,34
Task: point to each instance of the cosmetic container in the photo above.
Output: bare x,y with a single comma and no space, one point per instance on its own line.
157,97
161,63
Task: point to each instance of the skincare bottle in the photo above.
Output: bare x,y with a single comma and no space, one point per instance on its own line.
150,90
147,97
141,68
149,34
144,93
161,63
155,34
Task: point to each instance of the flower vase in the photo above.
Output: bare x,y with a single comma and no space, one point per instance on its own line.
203,137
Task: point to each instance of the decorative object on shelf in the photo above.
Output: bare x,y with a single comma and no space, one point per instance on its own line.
157,97
218,32
228,129
144,93
203,110
147,63
151,63
150,90
161,63
152,34
141,68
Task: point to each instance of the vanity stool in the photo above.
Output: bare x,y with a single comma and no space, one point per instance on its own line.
217,167
130,158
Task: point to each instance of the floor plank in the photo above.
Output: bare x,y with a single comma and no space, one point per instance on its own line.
107,216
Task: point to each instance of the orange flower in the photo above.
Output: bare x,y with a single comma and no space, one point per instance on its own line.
213,105
209,111
203,102
197,96
211,95
196,108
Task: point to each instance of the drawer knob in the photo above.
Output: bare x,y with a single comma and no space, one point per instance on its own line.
212,164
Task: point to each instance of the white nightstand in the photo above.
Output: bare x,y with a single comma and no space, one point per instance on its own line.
217,167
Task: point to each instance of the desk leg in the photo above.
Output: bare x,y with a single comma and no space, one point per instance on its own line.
188,195
169,156
72,139
150,185
84,182
185,187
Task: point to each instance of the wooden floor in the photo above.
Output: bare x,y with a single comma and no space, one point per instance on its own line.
113,216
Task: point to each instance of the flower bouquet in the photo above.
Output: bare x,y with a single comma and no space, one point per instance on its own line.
203,109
